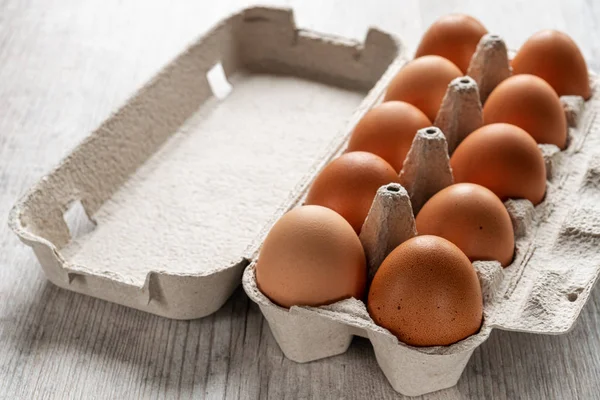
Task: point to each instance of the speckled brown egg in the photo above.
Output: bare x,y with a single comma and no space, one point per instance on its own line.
426,292
554,57
473,218
423,83
503,158
454,37
349,184
388,131
528,102
312,257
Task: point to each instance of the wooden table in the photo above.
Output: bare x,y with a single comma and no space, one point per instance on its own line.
64,66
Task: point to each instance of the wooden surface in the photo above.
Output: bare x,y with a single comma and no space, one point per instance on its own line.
64,66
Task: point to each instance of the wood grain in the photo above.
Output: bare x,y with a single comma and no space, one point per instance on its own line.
64,66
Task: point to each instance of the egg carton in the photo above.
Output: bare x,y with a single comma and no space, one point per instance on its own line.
557,257
162,207
177,202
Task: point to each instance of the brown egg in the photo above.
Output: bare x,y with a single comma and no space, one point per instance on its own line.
554,57
528,102
423,83
388,131
503,158
349,184
473,218
312,257
454,37
426,292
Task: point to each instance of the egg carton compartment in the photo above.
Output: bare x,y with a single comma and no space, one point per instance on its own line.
543,290
163,206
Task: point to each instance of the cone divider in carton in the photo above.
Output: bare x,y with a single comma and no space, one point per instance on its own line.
460,111
522,215
489,65
573,107
552,156
389,223
426,169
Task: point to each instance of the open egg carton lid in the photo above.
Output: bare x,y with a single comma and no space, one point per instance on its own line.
163,206
557,254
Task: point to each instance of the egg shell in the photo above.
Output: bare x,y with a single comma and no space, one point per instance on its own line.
454,37
505,159
473,218
426,293
423,83
388,130
530,103
311,256
349,183
556,58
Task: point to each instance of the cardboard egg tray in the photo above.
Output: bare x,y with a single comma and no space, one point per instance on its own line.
557,254
177,190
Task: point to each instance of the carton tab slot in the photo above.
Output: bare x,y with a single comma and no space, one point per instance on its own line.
77,220
217,80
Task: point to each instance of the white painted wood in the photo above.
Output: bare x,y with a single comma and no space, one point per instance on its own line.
64,66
